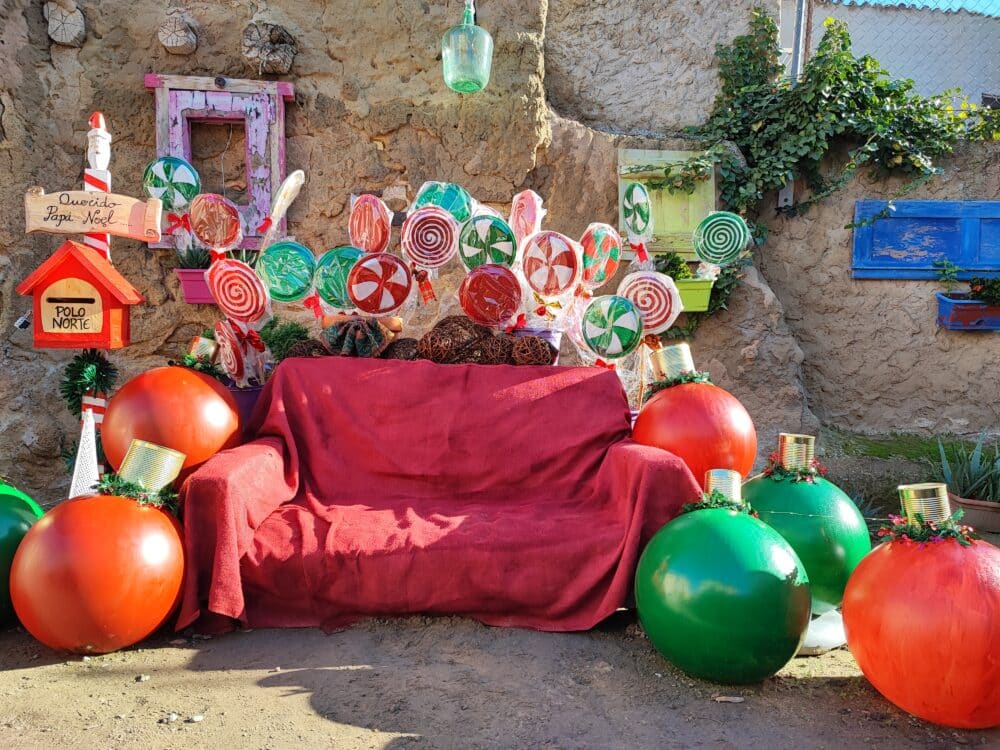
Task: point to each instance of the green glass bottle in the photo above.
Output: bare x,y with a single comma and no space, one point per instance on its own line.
467,54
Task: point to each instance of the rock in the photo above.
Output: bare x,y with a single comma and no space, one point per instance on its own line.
268,48
66,23
142,678
727,699
169,718
195,719
177,36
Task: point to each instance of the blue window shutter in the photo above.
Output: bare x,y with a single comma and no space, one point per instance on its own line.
905,244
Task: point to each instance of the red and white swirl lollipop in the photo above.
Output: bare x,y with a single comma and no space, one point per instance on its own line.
526,214
370,225
238,291
656,297
551,263
430,237
379,283
230,352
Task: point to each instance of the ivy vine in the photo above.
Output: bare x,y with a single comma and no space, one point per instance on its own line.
765,129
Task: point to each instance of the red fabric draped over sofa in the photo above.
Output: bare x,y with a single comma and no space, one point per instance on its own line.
513,495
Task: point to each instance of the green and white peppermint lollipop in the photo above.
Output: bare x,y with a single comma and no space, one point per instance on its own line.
173,181
611,326
453,198
637,212
487,239
721,238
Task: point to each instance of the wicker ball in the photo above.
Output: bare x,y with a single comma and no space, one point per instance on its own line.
402,349
499,350
454,340
532,350
308,348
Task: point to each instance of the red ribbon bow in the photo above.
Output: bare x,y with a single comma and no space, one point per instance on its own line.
424,282
264,225
251,338
175,222
521,321
312,303
606,365
641,253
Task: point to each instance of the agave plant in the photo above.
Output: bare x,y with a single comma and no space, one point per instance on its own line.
972,474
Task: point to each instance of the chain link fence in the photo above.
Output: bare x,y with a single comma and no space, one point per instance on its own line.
940,44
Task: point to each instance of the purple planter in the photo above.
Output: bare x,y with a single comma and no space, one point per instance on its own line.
246,400
194,288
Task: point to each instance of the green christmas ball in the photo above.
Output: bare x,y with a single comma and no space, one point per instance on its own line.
722,596
18,513
823,526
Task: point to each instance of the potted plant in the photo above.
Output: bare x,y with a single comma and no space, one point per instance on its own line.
695,292
975,310
191,266
973,479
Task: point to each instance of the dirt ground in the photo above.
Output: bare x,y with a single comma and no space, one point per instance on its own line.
434,683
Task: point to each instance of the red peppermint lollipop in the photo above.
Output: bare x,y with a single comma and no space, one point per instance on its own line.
379,283
238,291
490,295
230,352
430,237
526,214
215,222
656,297
551,263
370,224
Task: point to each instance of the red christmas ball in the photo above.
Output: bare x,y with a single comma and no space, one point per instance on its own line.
923,623
97,574
702,424
175,407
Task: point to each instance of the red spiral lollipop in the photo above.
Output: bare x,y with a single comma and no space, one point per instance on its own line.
551,263
430,237
379,283
526,214
490,295
230,351
238,291
656,296
370,225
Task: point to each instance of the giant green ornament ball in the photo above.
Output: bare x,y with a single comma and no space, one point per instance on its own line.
823,526
722,596
18,513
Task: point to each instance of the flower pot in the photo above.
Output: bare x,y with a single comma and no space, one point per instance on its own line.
552,338
958,312
246,400
194,288
695,293
979,514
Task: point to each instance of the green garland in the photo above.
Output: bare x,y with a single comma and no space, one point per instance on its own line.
112,484
716,499
281,335
902,529
779,473
692,376
89,370
203,365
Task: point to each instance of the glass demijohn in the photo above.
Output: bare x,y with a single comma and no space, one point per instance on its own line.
466,54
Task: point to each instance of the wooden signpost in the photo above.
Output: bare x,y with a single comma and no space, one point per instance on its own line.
81,212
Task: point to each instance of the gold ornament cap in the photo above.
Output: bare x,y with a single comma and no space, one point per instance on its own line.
671,361
726,481
151,466
796,452
929,500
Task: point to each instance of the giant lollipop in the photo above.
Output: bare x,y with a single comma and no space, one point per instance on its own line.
287,268
430,240
611,326
379,283
287,192
332,270
448,196
526,214
238,291
551,263
637,215
216,223
487,239
173,181
721,238
230,352
602,249
370,224
656,296
490,295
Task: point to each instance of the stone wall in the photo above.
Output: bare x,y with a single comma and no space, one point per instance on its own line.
371,112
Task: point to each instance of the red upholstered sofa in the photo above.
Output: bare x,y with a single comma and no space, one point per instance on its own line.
513,495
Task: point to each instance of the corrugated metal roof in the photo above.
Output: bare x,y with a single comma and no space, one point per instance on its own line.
981,7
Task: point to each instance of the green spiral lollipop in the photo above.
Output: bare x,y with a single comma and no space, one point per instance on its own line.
331,275
637,212
287,268
172,180
611,326
721,238
486,239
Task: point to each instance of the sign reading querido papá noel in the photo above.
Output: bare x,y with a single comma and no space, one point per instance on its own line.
80,212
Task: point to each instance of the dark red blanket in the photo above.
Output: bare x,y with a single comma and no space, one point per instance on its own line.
509,494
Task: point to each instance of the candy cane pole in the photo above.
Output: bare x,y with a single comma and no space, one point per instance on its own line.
96,177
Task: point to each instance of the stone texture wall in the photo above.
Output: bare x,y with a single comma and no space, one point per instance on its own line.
371,112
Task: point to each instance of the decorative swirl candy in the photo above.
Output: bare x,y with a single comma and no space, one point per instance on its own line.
490,295
602,251
551,263
637,212
611,326
448,196
430,237
330,278
379,283
526,214
230,352
173,181
656,297
370,225
721,238
287,268
238,291
487,239
216,222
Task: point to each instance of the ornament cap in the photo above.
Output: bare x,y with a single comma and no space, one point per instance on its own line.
151,466
796,452
929,500
671,361
727,481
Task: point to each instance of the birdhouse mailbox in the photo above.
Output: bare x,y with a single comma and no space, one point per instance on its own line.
80,300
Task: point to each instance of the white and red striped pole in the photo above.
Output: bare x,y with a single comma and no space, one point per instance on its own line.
96,177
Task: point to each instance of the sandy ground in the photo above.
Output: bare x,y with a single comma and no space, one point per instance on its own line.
434,683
